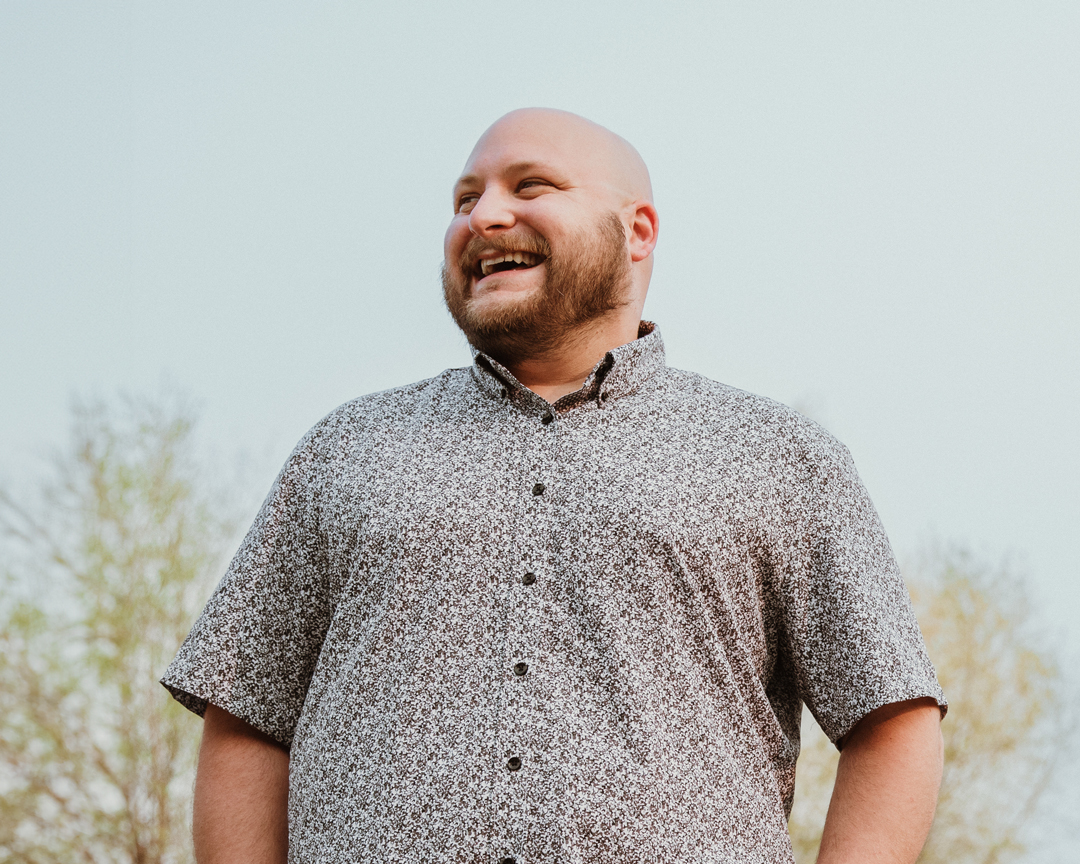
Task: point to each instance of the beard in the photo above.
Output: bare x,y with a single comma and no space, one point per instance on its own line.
585,281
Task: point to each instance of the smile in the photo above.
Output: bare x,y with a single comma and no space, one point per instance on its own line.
508,261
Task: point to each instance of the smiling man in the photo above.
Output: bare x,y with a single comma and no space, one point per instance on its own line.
565,604
577,188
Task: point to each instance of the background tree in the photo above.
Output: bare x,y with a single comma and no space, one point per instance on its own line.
1009,726
104,574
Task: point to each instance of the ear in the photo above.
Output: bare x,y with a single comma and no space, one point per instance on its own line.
644,228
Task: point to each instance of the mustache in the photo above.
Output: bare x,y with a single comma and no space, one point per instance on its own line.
500,245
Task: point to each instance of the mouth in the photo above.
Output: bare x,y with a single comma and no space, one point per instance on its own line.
505,262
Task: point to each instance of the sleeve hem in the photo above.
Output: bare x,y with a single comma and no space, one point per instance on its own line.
939,698
197,705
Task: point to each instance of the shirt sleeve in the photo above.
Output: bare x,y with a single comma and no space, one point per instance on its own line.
254,648
850,628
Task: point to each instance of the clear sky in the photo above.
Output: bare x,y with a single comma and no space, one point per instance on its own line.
869,211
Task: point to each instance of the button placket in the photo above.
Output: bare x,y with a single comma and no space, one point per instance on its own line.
523,629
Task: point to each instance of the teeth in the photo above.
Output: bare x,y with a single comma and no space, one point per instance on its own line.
527,258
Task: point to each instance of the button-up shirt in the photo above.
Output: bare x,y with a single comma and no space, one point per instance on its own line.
494,629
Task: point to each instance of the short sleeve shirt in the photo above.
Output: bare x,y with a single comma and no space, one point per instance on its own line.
490,628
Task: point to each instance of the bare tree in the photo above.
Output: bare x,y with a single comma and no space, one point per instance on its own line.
1010,719
105,572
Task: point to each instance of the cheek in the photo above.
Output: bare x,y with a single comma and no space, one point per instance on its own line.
457,236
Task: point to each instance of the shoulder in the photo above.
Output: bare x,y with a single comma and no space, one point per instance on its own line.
384,405
389,412
747,420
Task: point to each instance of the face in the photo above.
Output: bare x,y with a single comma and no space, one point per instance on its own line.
534,251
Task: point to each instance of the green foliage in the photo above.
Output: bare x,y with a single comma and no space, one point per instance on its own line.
104,574
1008,726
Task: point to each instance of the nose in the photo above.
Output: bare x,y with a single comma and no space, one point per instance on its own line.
491,213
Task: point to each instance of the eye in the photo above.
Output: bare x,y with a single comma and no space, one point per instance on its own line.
466,202
532,183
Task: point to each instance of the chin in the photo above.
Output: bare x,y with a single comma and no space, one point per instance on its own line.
496,303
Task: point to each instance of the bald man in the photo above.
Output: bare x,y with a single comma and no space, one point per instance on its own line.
564,604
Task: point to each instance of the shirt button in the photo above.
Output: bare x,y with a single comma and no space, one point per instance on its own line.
521,668
538,489
547,418
528,579
513,763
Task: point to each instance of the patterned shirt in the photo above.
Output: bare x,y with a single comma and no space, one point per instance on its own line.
494,629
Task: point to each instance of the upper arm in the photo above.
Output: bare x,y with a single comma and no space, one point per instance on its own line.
241,801
221,727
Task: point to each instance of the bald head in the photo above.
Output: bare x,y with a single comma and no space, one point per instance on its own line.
604,158
552,236
534,151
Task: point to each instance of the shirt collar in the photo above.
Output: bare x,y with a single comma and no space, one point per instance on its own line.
619,373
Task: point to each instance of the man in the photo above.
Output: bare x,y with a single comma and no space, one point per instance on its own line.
564,605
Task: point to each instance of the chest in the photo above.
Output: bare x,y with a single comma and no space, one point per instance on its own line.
613,510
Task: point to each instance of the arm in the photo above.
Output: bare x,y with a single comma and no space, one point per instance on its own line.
886,786
241,794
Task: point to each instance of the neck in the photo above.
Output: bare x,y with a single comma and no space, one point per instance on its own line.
563,369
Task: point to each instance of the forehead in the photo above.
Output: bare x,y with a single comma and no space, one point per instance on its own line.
515,148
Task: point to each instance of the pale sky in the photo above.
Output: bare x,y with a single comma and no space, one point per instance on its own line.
870,213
